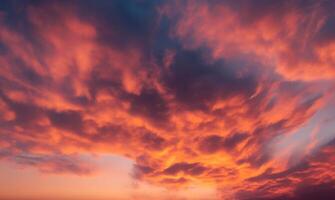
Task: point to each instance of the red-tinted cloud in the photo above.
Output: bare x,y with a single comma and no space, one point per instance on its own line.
229,94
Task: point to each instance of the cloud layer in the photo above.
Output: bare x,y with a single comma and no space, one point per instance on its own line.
237,95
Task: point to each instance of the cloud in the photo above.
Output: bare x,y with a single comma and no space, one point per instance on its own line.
55,164
215,143
68,120
187,168
233,95
281,33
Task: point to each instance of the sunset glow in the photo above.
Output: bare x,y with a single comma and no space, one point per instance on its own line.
167,100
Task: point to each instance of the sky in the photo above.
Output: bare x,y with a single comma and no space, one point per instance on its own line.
167,100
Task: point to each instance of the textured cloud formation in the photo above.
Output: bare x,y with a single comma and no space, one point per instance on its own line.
237,95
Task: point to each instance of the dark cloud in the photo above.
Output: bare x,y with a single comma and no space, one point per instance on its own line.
150,104
269,175
153,141
187,168
214,143
254,11
326,33
141,170
309,192
55,163
197,82
112,133
303,192
133,21
67,120
25,114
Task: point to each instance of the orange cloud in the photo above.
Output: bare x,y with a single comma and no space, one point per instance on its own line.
193,92
288,40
